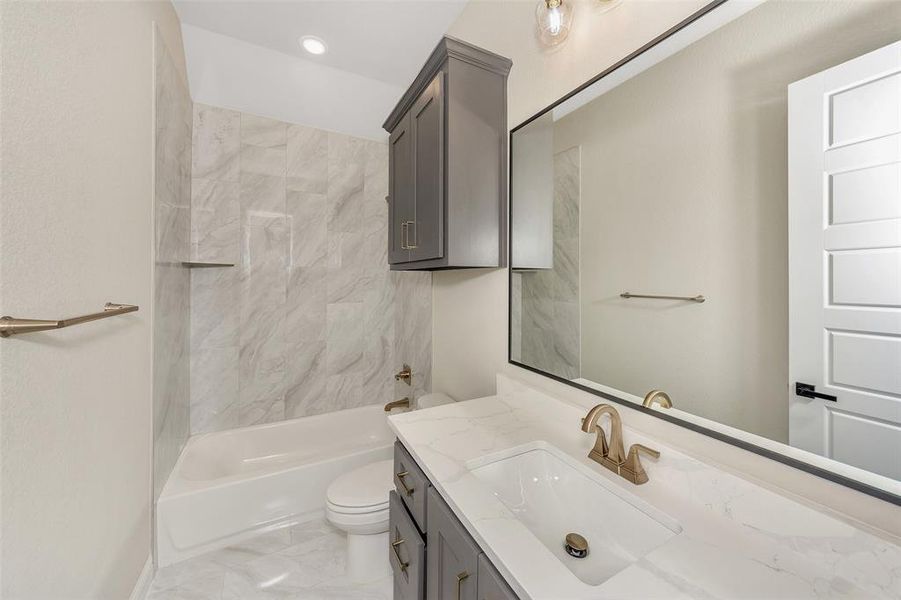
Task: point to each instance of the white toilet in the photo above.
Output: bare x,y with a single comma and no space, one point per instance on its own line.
357,502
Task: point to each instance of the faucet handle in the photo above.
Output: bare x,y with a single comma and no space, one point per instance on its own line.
600,449
632,467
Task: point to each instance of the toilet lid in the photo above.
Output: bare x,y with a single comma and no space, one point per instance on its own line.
365,487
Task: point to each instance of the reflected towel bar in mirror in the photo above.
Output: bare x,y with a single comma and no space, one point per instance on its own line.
699,298
13,326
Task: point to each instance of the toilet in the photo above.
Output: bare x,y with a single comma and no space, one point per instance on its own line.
357,503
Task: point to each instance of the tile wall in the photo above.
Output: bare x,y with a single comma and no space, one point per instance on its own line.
547,308
310,319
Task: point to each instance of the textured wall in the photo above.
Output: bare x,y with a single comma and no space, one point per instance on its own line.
549,338
309,320
171,283
76,225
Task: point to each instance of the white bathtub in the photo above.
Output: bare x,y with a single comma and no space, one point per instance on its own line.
229,485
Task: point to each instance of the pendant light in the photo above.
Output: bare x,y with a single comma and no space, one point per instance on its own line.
554,19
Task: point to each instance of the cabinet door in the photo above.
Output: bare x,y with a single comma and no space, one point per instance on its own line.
401,208
406,553
491,585
453,557
426,233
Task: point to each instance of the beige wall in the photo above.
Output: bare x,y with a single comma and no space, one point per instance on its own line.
692,156
470,308
76,231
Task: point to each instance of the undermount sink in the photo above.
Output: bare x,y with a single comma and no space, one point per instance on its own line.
552,496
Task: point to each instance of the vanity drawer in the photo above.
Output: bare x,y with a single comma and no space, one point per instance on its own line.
411,484
406,552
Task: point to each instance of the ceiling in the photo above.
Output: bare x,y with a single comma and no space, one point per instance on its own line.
385,40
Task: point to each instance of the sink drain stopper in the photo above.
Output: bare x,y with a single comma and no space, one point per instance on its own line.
576,546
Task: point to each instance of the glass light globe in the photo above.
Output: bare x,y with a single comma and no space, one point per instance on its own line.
554,20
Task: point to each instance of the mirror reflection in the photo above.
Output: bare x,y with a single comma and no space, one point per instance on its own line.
720,219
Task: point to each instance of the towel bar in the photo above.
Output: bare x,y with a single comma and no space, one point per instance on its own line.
14,326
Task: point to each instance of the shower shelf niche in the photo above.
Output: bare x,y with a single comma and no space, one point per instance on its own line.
191,264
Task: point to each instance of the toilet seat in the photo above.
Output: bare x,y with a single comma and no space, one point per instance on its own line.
357,502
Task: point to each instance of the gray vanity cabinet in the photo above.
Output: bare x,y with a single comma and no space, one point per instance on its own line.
491,585
452,563
447,182
431,554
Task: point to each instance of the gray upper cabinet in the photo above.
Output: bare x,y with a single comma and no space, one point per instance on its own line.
447,176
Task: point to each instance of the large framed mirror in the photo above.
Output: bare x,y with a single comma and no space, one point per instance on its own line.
718,216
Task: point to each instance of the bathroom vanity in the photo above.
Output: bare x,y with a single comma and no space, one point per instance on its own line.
488,489
432,555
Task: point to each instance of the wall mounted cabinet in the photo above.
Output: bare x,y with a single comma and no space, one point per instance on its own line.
447,175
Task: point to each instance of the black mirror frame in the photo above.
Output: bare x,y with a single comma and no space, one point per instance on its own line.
743,444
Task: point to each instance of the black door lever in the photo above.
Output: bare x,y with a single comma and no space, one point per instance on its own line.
809,391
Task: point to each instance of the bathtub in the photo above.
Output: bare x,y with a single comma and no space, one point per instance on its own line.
230,485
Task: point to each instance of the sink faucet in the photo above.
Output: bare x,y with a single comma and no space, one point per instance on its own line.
612,456
657,396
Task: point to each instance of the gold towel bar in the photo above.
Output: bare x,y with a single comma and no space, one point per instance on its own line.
698,298
13,326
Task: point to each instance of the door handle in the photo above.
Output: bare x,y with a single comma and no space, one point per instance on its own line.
808,390
461,577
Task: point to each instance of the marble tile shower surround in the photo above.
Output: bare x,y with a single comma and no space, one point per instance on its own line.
547,307
171,308
310,320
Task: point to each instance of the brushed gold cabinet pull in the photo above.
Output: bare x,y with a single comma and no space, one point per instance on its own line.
403,565
405,235
400,479
415,243
461,577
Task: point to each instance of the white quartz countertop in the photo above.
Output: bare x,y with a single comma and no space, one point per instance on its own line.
738,540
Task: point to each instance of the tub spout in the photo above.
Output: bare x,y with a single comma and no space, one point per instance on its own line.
403,402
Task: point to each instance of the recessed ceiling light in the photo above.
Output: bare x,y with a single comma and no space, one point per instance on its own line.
313,44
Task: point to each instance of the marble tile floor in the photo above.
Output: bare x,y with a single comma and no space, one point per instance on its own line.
305,562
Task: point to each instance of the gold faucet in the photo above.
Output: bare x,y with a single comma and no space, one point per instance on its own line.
612,456
403,402
405,375
658,396
632,469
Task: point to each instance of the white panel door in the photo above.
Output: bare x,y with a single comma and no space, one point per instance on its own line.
844,158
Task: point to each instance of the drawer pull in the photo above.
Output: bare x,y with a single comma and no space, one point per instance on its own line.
403,565
460,579
400,479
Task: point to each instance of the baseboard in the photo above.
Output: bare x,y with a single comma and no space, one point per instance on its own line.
142,585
